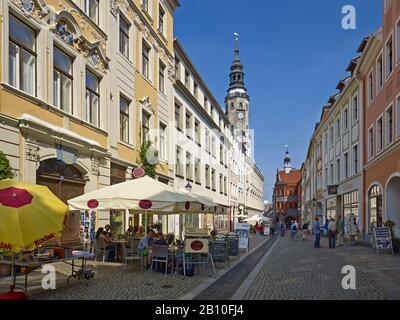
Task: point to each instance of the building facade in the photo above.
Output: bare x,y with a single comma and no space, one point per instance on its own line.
86,84
379,71
286,192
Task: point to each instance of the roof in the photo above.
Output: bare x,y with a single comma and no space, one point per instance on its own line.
293,177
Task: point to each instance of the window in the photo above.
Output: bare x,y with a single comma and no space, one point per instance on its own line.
338,169
124,119
177,68
355,159
213,182
187,80
178,163
355,108
398,40
346,119
208,176
389,56
145,4
196,91
326,142
346,165
370,88
163,142
189,170
178,117
123,37
92,10
205,102
370,143
221,154
379,74
389,126
331,180
62,81
221,184
225,186
145,127
398,116
213,147
161,77
189,128
161,14
22,56
331,136
145,60
338,129
212,112
92,99
208,149
197,173
379,135
197,132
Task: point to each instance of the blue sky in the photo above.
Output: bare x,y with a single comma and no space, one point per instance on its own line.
294,55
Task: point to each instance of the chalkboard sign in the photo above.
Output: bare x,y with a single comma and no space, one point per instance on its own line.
219,251
233,244
383,239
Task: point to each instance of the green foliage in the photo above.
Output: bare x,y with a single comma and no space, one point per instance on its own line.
157,226
147,151
5,168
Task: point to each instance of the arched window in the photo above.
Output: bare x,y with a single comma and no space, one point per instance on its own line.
375,208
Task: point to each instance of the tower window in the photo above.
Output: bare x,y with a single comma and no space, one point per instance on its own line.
234,78
232,106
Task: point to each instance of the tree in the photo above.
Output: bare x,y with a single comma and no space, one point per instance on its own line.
5,168
148,159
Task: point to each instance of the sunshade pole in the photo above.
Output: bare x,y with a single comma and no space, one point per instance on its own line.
145,221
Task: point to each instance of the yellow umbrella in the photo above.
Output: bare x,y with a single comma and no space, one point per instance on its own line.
29,215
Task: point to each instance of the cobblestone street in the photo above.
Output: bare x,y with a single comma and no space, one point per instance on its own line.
297,271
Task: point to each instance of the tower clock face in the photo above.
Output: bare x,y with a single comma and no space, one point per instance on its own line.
240,115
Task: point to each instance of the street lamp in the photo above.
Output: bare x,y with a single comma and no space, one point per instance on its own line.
188,187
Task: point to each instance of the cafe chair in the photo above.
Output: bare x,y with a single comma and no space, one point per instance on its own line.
128,255
160,254
100,249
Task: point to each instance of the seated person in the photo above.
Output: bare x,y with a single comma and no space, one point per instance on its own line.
144,246
129,232
160,240
139,234
103,236
170,238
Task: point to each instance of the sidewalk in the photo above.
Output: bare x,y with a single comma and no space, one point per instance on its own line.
110,283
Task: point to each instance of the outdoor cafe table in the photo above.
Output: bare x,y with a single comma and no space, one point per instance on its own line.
30,266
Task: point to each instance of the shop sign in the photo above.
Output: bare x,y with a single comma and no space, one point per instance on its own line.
332,190
145,204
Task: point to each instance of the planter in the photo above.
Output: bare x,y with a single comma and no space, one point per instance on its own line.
5,270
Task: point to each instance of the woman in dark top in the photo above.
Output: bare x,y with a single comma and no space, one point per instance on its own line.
305,231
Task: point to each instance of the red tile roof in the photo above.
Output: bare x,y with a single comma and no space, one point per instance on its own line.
293,177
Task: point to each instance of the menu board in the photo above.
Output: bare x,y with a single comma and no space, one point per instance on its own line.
383,239
219,251
243,231
233,244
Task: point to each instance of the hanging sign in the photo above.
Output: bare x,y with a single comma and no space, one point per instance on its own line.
138,173
145,204
92,204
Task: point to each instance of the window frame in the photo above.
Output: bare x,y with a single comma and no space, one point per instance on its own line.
92,92
381,75
161,76
145,115
355,119
388,127
380,130
388,75
86,5
370,144
162,141
19,71
124,35
124,114
370,88
146,50
69,76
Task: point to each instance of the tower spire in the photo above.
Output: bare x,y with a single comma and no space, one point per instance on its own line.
237,51
287,162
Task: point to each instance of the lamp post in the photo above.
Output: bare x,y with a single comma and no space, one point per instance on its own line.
188,187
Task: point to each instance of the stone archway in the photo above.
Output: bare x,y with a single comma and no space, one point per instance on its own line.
393,202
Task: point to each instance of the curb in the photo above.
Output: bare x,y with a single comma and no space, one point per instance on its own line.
199,289
242,290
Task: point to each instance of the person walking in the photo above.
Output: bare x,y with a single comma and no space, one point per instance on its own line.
282,229
341,231
305,231
293,230
317,232
332,234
